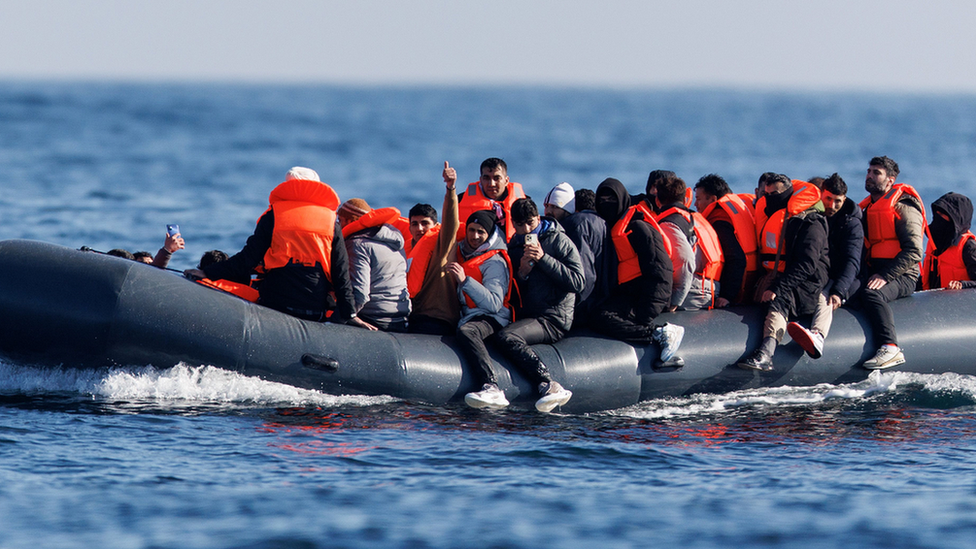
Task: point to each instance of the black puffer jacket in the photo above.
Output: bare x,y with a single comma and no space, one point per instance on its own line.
550,289
807,261
846,240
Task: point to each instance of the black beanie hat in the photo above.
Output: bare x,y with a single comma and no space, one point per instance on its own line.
485,218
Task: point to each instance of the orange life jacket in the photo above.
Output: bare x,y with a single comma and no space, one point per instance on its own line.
770,230
880,238
372,218
402,224
689,197
628,267
304,224
949,264
743,223
707,241
749,200
418,259
242,291
474,200
472,268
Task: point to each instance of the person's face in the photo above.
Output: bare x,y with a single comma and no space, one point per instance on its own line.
774,187
606,205
494,182
832,202
527,227
556,212
419,225
144,259
703,199
877,180
475,235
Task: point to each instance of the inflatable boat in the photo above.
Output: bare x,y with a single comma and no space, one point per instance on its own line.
70,308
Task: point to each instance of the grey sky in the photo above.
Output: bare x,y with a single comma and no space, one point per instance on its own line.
871,45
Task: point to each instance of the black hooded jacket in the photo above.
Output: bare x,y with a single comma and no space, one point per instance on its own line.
806,259
945,234
846,240
654,284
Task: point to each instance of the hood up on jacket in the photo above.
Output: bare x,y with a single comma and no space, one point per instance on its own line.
612,200
946,233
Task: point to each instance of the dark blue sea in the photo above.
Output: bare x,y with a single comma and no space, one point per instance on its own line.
188,456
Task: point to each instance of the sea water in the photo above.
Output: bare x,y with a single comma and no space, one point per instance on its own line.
187,456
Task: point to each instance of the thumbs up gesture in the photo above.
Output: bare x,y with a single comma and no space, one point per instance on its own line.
450,175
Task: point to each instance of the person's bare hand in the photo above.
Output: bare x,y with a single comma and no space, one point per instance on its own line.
173,243
450,175
457,270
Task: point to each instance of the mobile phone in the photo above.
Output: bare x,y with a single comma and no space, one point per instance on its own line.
172,230
532,239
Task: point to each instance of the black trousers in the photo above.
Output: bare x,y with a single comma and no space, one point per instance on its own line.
874,303
629,319
471,338
514,342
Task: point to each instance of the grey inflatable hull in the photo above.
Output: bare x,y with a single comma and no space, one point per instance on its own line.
60,306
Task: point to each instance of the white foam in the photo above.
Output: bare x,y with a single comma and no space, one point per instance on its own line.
878,383
179,384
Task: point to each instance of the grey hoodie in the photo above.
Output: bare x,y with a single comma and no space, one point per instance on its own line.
488,295
378,272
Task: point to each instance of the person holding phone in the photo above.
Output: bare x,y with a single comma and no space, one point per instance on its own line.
172,243
549,274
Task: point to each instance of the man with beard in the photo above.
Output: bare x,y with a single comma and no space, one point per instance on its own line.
642,288
894,218
950,258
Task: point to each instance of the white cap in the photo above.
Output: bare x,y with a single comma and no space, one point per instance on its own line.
299,172
562,196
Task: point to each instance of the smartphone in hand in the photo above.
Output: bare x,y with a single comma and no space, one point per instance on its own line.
172,230
532,239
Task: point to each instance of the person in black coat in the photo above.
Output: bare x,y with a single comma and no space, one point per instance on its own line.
846,245
952,215
589,232
797,290
629,311
548,275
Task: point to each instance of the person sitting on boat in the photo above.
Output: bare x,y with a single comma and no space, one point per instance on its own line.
560,202
377,268
549,275
735,227
143,257
950,257
696,254
894,218
171,244
641,288
588,231
435,308
845,243
298,246
493,192
793,248
483,273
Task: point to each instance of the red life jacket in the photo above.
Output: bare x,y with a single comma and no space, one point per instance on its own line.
949,264
628,267
769,230
402,224
304,224
418,259
474,200
880,238
242,291
739,214
472,268
372,218
707,241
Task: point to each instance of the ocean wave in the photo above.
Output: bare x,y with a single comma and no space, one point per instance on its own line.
178,385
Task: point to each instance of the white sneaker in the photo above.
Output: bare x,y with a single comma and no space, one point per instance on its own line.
668,337
810,341
886,357
553,395
490,396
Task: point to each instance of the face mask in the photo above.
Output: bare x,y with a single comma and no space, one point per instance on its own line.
943,233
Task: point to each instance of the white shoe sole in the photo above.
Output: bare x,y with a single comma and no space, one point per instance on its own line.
549,403
475,402
890,363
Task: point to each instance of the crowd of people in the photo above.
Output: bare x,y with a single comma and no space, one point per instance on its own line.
496,273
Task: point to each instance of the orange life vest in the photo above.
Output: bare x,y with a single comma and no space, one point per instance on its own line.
628,267
474,200
242,291
707,241
739,213
749,200
769,230
304,224
372,218
418,259
880,238
949,264
472,268
402,224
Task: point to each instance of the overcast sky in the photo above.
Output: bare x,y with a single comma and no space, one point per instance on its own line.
896,45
